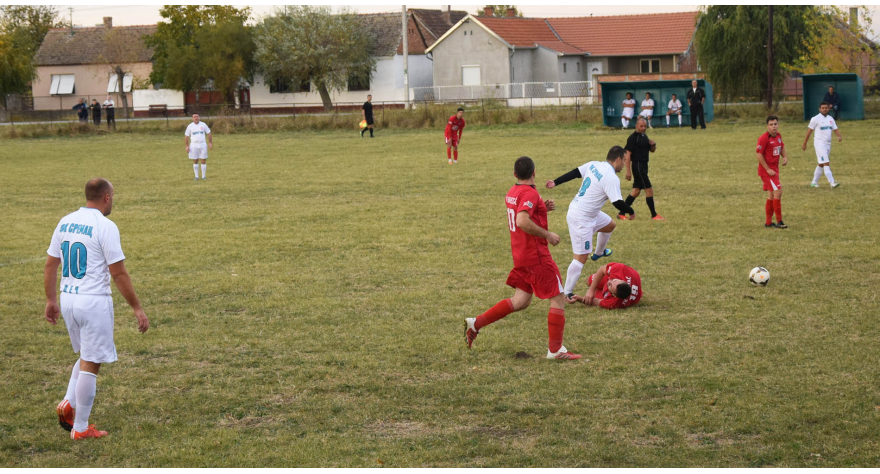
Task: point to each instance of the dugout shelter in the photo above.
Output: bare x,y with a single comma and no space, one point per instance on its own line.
614,93
848,86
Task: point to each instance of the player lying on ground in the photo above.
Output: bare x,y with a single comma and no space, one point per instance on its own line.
585,217
613,286
534,271
454,129
770,148
823,124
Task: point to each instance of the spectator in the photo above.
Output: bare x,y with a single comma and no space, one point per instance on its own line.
832,98
82,111
696,96
674,107
647,109
96,111
111,112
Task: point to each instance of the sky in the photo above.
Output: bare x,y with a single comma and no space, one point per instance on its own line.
91,15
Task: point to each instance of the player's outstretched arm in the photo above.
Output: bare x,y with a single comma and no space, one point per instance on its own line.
50,281
573,174
525,224
123,283
589,298
806,138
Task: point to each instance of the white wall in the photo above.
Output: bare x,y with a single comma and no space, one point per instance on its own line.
521,65
143,99
571,73
545,65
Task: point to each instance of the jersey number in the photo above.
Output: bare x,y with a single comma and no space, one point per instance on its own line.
511,219
584,186
74,259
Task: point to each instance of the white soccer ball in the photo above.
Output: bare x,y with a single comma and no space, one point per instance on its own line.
759,276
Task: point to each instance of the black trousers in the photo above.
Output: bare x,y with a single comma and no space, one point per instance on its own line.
697,111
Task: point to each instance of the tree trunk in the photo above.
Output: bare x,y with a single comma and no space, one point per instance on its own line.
120,86
325,97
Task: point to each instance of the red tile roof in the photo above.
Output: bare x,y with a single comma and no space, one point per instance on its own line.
560,47
628,35
521,32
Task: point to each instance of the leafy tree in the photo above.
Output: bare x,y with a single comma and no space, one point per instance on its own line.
500,11
837,44
226,54
16,68
309,43
731,45
22,29
118,54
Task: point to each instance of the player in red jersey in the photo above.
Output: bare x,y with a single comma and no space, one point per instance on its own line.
770,148
453,134
534,271
616,285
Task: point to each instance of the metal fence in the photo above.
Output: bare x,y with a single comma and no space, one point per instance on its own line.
523,90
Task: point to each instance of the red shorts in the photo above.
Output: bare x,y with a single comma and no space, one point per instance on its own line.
453,142
542,280
771,183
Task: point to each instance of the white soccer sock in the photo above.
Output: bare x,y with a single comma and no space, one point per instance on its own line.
196,170
625,122
828,174
204,170
817,174
601,242
679,120
574,273
667,120
85,397
71,385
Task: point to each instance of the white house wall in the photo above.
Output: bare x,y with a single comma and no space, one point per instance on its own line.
521,65
546,67
572,74
470,45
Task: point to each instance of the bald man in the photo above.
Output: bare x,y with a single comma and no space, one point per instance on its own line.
86,246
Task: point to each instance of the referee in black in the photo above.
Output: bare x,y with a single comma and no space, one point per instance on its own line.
696,96
638,146
368,116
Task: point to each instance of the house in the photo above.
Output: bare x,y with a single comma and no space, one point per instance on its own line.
71,64
424,27
492,50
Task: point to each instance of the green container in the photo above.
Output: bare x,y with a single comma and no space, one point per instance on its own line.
849,87
614,93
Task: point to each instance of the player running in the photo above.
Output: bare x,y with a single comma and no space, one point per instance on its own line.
195,145
454,129
770,148
638,147
629,107
617,285
534,271
86,246
823,124
585,217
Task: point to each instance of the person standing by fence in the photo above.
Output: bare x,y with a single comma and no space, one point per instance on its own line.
696,96
109,108
82,111
96,111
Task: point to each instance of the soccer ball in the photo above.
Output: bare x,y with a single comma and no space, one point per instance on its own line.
759,276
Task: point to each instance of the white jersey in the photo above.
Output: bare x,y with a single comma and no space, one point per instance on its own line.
823,126
648,103
87,243
108,104
197,132
628,111
674,105
600,184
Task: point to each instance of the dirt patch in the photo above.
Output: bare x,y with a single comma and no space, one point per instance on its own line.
522,355
399,429
230,421
715,439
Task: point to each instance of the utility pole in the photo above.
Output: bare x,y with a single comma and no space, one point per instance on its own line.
71,20
770,60
403,19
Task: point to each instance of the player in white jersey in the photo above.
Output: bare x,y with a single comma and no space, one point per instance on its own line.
86,246
629,107
823,124
647,109
674,108
196,134
585,217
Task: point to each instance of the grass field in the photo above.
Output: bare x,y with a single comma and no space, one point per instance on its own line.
306,306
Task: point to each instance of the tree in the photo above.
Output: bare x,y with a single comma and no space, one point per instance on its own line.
310,43
731,45
119,52
837,45
226,52
16,69
500,11
22,29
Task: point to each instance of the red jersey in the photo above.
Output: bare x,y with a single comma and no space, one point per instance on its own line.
527,249
454,127
771,148
619,271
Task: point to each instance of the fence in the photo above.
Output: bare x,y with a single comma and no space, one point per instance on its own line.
524,90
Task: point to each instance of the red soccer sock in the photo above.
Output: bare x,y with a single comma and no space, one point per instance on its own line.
449,153
768,209
777,205
455,153
555,328
500,310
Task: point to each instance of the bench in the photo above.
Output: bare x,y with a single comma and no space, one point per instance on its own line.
160,110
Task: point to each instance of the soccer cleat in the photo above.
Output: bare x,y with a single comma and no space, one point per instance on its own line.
66,414
90,432
562,354
658,217
470,333
450,162
814,185
595,257
455,161
204,179
622,217
835,185
781,225
769,225
196,178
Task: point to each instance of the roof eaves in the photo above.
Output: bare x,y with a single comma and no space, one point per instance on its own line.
461,22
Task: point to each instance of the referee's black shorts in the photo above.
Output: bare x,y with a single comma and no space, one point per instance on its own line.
369,119
640,175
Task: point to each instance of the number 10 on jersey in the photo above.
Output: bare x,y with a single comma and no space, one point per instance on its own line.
511,219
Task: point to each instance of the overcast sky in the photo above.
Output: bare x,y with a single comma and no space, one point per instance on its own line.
90,15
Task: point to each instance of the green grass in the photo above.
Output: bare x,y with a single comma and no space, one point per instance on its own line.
306,305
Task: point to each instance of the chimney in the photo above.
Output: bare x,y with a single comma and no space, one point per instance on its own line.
511,13
108,22
489,11
447,15
853,17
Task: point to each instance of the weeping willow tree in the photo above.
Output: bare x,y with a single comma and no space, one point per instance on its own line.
731,44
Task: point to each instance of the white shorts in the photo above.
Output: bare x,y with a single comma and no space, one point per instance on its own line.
581,232
674,112
823,152
628,113
198,151
646,113
89,320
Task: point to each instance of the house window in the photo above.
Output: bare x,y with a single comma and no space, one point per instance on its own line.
282,86
62,84
564,68
650,65
355,84
578,65
113,86
470,75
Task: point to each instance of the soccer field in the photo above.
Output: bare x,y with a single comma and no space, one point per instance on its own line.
307,302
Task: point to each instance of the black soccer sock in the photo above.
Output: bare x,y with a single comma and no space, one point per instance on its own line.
371,132
362,131
650,201
630,199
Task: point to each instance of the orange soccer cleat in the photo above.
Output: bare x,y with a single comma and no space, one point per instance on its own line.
90,432
562,354
66,414
658,217
470,332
